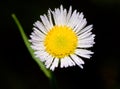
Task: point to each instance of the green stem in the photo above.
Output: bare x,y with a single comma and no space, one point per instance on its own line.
31,51
53,83
47,72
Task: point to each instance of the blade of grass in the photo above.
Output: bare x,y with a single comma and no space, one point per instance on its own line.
47,72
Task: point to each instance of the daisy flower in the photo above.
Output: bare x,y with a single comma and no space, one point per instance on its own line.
61,38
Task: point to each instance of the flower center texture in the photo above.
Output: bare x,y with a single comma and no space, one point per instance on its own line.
60,41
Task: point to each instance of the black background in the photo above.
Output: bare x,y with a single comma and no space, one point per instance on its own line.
19,71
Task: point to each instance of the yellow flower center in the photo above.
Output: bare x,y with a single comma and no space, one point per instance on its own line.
60,41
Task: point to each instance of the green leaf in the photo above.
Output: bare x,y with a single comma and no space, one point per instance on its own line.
47,72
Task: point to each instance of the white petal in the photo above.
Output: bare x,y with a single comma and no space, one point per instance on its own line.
55,14
46,22
67,61
86,41
89,41
38,47
41,27
82,36
65,17
37,43
38,32
70,61
87,37
87,33
88,28
90,38
62,63
62,17
75,21
70,22
80,19
69,14
35,39
54,64
64,20
49,61
81,25
85,45
77,60
83,53
42,55
50,18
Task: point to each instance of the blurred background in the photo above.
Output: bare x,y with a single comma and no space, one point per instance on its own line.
19,71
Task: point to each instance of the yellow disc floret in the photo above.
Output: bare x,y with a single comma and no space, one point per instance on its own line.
60,41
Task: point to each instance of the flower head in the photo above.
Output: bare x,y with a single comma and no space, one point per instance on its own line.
62,37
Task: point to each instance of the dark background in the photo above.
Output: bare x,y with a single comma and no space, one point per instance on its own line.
19,71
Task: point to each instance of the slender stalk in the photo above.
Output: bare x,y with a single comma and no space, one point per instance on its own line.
31,51
53,83
47,72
